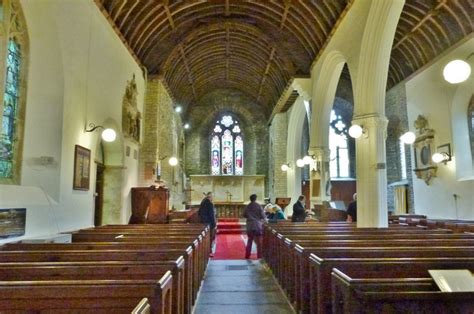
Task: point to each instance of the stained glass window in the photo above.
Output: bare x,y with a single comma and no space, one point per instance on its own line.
10,109
339,158
227,147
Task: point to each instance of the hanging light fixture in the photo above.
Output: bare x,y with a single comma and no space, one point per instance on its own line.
307,159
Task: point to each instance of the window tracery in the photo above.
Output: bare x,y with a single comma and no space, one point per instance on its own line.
339,157
227,147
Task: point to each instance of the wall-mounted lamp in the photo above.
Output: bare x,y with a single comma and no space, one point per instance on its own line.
173,161
457,71
285,167
178,109
300,163
186,126
356,131
108,134
408,137
442,155
308,159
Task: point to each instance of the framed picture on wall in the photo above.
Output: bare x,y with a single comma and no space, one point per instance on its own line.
82,161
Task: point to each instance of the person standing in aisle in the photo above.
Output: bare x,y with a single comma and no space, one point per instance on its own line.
255,220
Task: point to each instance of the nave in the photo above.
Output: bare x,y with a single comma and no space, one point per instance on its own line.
306,268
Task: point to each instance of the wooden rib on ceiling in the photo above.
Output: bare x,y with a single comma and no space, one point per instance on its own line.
427,28
253,46
239,55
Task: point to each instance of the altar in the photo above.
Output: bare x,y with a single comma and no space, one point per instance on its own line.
231,193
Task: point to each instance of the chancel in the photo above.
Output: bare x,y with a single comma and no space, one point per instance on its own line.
147,148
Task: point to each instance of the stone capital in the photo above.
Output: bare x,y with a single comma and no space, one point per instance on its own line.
303,86
371,120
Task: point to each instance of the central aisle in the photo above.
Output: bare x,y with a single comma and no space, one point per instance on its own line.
240,286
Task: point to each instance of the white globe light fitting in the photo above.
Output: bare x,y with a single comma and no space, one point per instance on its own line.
408,137
173,161
437,158
178,109
109,135
186,126
284,167
355,131
307,160
456,71
300,163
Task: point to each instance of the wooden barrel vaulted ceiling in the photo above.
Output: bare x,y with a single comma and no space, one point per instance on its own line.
256,47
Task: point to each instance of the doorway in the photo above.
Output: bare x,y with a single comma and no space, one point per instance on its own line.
99,195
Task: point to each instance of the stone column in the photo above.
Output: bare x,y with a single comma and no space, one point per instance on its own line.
319,173
371,171
278,134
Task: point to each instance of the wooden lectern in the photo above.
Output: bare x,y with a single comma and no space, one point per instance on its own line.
149,205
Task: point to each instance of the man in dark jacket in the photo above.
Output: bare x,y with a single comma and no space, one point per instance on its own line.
299,213
207,215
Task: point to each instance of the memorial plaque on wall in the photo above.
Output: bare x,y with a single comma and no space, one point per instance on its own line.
12,222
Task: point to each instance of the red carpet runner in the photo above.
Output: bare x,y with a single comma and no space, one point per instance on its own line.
231,240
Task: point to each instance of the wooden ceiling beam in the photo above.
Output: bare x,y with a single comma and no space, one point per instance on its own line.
168,14
188,71
227,44
285,13
119,10
122,23
418,25
227,8
267,68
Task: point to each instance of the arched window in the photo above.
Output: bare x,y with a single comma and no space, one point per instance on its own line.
339,158
227,147
12,107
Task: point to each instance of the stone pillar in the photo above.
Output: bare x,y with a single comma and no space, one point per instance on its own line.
371,171
149,149
319,173
279,136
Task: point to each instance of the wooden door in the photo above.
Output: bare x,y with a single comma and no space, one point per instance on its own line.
305,192
99,195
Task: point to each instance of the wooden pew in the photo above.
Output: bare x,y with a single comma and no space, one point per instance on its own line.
320,272
375,293
106,252
101,271
143,307
85,296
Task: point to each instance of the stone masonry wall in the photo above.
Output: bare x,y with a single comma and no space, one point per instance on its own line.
396,112
162,140
277,157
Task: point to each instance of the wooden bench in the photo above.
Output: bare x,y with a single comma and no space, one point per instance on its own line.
143,307
320,272
134,253
354,292
101,271
85,296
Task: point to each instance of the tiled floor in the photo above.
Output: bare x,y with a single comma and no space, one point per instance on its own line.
240,286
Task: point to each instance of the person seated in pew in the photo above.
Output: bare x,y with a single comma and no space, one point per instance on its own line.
299,212
275,213
352,210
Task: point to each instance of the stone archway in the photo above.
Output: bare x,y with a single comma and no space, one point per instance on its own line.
293,150
113,163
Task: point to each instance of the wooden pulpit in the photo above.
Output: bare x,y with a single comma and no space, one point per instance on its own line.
150,205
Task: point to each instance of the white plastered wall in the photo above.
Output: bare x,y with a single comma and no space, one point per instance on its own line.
78,73
445,107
